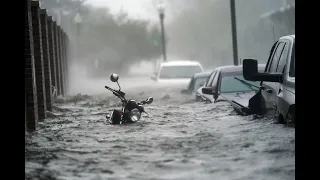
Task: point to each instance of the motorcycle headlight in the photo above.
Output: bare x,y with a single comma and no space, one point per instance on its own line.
135,115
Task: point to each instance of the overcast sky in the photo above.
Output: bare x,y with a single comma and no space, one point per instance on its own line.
144,9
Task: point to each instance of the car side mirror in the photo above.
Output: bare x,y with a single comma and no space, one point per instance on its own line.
250,72
207,90
250,69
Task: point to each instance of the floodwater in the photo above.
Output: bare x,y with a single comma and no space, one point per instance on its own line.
180,139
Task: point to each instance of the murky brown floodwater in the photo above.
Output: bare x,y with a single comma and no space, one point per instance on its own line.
181,139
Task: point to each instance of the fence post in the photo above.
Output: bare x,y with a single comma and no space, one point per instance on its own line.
52,52
66,62
56,44
61,61
46,58
63,45
30,75
36,28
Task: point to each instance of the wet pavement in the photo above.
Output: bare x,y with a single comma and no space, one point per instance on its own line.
180,139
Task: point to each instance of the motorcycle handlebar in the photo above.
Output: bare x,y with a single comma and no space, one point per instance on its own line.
109,88
142,102
117,93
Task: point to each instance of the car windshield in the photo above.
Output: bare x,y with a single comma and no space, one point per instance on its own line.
169,72
230,84
200,81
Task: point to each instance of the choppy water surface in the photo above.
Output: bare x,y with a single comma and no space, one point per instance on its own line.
180,139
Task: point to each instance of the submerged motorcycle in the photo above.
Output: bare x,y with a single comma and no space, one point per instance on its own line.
131,110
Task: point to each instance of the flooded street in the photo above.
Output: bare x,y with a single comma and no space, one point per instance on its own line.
180,139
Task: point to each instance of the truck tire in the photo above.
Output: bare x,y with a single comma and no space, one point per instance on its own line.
291,116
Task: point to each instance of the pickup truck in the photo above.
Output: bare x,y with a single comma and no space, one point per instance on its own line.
277,87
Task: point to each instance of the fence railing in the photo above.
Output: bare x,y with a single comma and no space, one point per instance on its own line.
46,63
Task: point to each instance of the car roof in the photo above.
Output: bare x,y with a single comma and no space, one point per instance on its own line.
181,63
292,37
239,68
202,74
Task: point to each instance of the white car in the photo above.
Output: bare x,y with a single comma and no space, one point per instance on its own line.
177,72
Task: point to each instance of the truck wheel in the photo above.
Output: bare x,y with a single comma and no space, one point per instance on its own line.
291,116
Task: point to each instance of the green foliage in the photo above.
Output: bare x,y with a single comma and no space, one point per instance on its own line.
131,39
110,38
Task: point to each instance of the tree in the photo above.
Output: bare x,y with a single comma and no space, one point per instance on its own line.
117,40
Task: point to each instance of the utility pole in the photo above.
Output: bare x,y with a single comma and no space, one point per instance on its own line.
234,32
161,9
163,38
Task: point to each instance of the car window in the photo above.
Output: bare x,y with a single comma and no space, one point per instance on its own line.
283,57
229,84
275,58
215,80
191,82
199,82
270,55
292,63
209,82
169,72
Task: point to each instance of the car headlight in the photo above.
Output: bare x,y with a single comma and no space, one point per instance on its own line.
135,115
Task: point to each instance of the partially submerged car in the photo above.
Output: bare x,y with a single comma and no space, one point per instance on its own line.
227,83
277,87
197,80
177,72
206,97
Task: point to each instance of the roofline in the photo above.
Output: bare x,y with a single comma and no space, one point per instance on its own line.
237,68
292,36
202,74
181,63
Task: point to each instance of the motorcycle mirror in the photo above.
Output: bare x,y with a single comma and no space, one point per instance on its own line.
114,77
149,100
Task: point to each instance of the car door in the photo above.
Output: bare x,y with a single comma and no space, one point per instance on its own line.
284,61
215,84
269,90
209,84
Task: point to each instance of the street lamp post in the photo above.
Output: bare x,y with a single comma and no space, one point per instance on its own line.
161,9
